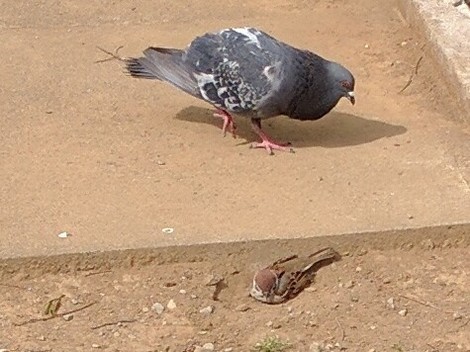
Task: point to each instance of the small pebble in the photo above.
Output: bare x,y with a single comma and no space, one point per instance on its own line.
132,337
362,252
391,303
117,334
171,304
207,310
158,308
349,284
457,316
42,338
366,46
208,346
269,324
74,301
67,317
403,312
387,280
193,296
63,234
159,162
145,310
228,349
212,280
95,345
358,269
183,292
371,350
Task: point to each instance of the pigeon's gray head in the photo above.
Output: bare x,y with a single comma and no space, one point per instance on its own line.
343,81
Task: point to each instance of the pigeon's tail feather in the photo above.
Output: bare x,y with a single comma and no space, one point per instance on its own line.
165,65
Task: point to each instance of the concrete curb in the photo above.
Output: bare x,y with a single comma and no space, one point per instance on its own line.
246,252
447,29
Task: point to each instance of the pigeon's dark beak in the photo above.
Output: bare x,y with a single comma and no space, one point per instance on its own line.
351,97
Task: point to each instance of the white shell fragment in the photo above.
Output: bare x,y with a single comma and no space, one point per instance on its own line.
168,230
64,234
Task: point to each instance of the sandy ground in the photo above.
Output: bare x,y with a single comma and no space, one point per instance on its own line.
393,300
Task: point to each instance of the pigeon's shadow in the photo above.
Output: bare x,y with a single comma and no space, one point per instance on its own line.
335,130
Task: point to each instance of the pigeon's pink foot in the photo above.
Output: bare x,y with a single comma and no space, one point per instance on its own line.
270,146
267,143
228,122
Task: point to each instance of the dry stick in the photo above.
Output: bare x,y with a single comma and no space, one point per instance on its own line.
413,74
97,273
113,323
35,320
400,16
343,334
112,55
13,286
427,304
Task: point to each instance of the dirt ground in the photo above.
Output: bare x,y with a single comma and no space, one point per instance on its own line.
393,300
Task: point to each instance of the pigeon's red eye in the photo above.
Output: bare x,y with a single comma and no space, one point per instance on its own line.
346,84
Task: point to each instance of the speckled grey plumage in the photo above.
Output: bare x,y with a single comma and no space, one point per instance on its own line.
247,72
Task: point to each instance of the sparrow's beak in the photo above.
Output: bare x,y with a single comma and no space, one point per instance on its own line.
351,97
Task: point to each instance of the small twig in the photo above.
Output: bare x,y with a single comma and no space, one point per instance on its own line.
464,324
97,273
413,74
418,63
427,304
35,320
433,348
13,286
218,289
343,334
113,323
400,16
111,55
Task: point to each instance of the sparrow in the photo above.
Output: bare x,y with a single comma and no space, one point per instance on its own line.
287,277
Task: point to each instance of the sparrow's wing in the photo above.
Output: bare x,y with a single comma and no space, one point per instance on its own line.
297,279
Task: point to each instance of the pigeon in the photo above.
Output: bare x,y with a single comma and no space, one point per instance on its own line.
248,73
287,277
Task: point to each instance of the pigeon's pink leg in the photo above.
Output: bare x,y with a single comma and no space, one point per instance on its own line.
228,122
267,143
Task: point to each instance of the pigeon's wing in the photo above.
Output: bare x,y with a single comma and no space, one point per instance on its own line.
237,69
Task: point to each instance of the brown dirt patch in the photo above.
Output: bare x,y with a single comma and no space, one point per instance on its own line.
349,308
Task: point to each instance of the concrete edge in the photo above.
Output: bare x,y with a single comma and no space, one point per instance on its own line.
446,30
426,238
